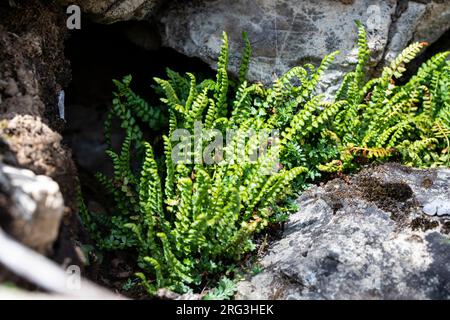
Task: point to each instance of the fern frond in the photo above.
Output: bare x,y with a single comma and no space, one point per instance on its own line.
245,58
221,89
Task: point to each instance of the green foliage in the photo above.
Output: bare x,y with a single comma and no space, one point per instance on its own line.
191,219
225,290
128,107
383,119
207,213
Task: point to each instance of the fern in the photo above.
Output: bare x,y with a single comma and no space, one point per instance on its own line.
187,220
384,119
224,291
245,59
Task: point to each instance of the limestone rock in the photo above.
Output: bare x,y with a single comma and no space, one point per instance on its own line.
366,237
110,11
282,33
288,33
35,208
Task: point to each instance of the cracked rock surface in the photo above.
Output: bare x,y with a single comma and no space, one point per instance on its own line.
366,237
283,33
287,33
33,70
110,11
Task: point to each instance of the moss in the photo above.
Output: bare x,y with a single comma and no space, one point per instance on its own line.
446,227
423,224
427,183
394,197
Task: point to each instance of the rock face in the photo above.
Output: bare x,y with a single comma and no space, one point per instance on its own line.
32,72
33,214
365,237
109,11
283,33
288,33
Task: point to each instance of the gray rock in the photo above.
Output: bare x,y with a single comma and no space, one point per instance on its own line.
35,207
422,21
288,33
110,11
403,29
439,206
365,237
283,33
430,187
434,23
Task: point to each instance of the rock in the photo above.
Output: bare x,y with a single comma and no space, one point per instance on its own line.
140,34
164,294
288,33
110,11
35,209
434,22
282,33
32,64
365,237
403,29
419,21
35,146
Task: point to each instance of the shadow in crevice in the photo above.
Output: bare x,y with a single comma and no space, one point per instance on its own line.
441,45
98,54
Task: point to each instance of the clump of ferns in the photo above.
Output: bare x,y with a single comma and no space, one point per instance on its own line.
187,220
184,225
382,119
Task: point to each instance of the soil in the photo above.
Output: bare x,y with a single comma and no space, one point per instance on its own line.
33,68
32,72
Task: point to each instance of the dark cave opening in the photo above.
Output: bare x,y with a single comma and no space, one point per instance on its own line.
98,54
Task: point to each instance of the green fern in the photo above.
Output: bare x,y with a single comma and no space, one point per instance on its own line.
188,220
225,290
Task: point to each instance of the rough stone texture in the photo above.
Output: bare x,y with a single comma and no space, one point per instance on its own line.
35,210
364,237
110,11
287,33
32,72
434,23
404,27
32,65
30,143
282,33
